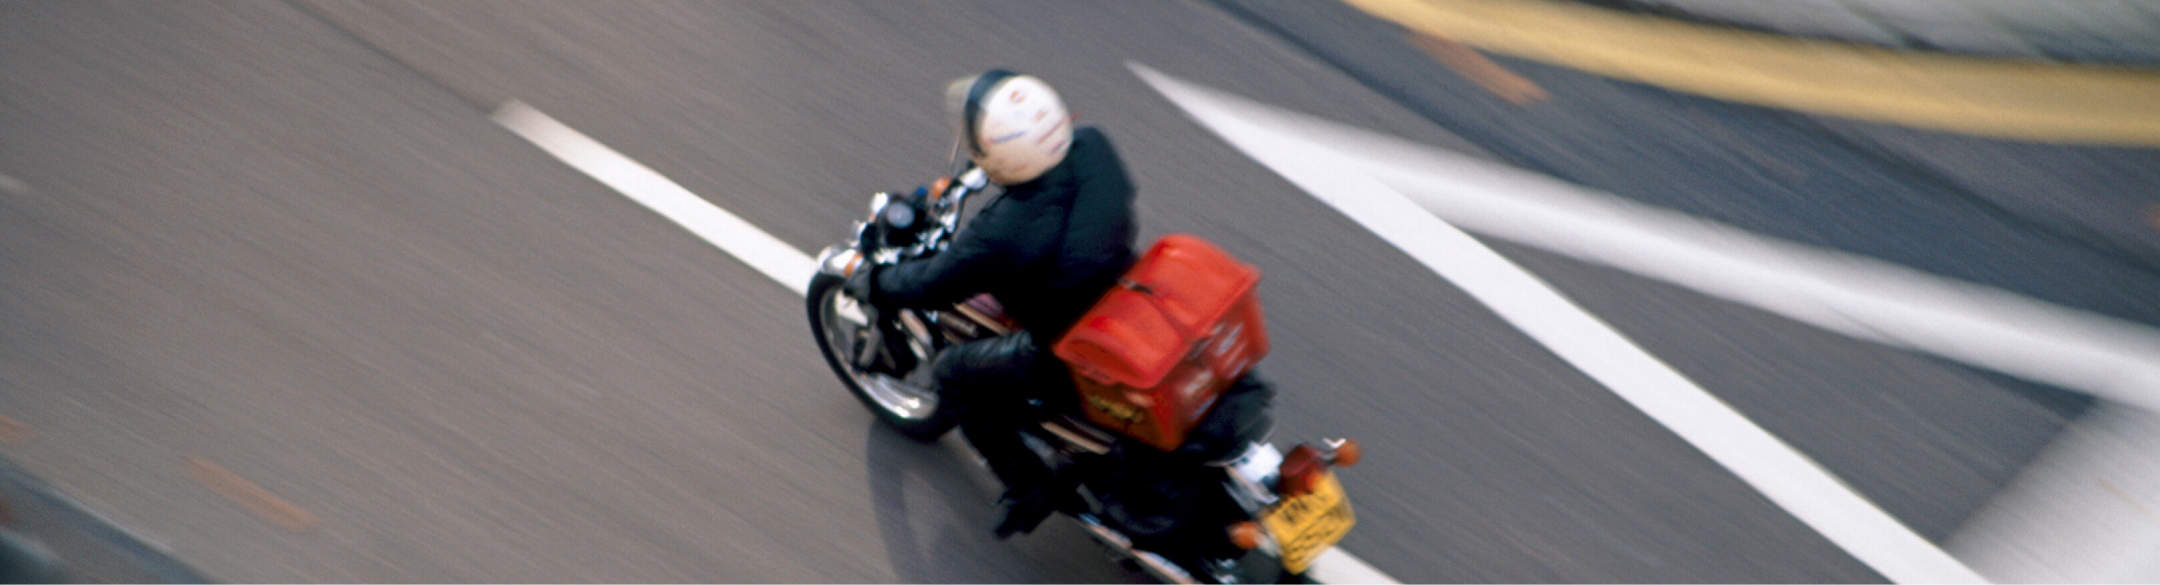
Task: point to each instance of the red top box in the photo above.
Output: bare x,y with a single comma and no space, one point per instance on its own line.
1151,356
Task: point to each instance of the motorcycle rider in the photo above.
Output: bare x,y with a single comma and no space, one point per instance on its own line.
1052,244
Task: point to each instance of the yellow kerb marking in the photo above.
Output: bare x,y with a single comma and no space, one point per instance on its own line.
253,497
2002,98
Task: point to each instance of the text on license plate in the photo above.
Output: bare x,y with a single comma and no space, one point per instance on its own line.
1307,525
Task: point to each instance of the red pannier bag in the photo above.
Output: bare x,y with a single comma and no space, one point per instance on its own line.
1151,356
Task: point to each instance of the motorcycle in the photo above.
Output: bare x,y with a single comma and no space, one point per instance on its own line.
1228,507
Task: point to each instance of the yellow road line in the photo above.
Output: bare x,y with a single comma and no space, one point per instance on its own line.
2004,98
249,495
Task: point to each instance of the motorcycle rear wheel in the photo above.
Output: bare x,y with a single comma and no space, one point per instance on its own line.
837,321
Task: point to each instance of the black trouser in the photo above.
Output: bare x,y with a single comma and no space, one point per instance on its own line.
991,381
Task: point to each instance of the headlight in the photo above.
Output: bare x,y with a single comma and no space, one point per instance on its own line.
899,217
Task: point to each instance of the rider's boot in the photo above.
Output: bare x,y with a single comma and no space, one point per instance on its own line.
1030,490
1021,512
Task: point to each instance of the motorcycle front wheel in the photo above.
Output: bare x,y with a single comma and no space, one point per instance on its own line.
841,325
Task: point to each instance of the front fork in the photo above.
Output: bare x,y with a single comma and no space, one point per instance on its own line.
894,345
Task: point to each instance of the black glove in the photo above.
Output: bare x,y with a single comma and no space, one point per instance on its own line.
862,284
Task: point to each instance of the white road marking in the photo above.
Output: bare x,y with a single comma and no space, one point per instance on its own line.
1781,473
1337,566
2086,510
1851,294
776,259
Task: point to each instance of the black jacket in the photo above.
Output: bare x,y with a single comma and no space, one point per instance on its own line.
1013,248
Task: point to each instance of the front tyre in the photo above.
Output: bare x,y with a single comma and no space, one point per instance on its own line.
911,404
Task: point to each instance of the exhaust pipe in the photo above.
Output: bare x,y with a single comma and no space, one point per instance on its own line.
1161,568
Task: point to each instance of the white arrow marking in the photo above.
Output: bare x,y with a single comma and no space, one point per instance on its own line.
1850,294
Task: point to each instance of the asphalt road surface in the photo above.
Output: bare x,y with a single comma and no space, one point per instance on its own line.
284,241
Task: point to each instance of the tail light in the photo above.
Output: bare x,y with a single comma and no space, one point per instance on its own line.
1246,535
1300,471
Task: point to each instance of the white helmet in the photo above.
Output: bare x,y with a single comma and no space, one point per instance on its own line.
1014,126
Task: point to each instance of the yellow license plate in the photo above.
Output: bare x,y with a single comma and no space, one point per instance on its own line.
1307,525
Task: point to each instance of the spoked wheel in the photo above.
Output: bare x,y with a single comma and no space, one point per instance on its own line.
842,326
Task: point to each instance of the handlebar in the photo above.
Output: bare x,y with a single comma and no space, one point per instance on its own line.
972,180
943,201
